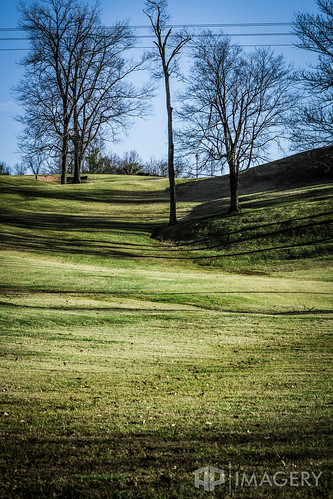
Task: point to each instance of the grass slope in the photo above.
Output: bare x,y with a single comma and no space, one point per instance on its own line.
126,364
286,215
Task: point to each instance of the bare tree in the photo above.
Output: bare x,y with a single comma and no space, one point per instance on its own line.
20,168
112,163
131,163
4,169
234,105
101,93
168,48
156,167
41,140
50,26
312,120
75,82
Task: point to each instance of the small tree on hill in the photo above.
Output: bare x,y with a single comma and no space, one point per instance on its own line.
95,162
131,163
20,168
4,169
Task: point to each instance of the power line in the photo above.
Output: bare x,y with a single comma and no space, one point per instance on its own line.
184,26
195,35
228,34
142,37
217,25
152,47
242,45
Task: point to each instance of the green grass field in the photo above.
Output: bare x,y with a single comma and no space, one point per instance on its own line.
130,361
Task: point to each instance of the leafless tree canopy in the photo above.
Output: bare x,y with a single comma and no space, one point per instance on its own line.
234,104
75,81
312,120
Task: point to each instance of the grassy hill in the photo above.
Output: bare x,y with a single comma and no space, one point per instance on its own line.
129,362
303,169
286,214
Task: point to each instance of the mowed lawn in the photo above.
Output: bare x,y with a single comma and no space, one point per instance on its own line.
127,363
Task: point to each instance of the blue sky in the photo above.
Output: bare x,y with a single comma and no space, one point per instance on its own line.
148,136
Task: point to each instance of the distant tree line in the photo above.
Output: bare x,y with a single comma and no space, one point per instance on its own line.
76,92
130,164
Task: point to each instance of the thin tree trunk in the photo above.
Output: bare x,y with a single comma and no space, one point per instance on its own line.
77,149
76,175
171,170
64,157
77,164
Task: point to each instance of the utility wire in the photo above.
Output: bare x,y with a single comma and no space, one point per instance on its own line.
198,35
152,47
142,37
219,25
216,34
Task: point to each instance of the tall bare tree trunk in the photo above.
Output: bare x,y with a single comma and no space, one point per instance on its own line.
157,14
171,170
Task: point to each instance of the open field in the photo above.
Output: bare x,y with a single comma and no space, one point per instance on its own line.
128,362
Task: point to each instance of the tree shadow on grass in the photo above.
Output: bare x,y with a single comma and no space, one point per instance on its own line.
48,242
161,463
43,237
51,245
220,206
95,195
193,302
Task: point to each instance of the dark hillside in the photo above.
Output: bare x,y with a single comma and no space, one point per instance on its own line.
306,168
